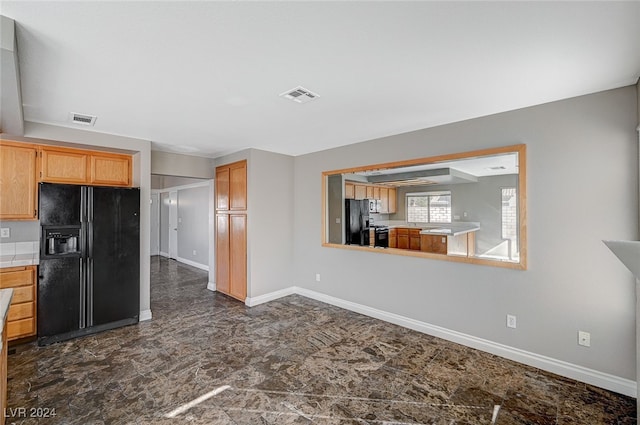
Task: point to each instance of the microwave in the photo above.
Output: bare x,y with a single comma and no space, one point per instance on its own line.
375,205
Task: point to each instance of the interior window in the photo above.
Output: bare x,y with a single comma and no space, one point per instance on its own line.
429,207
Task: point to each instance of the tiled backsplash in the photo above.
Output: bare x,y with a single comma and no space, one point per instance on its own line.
14,254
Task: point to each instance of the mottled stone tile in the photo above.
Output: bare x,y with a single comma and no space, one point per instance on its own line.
290,361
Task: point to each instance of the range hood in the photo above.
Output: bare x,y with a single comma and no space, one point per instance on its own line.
425,177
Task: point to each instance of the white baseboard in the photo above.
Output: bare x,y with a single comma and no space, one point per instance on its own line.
145,315
164,254
211,286
261,299
193,263
559,367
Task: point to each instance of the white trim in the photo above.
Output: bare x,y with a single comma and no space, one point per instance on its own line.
559,367
193,263
164,254
145,315
211,286
261,299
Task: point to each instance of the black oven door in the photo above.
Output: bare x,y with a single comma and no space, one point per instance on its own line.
382,237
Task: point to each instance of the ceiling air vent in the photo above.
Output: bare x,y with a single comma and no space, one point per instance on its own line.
300,95
82,119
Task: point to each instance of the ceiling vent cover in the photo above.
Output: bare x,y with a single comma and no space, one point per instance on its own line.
300,95
82,119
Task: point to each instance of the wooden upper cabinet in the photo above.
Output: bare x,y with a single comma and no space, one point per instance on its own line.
370,192
231,187
111,170
349,191
64,166
78,166
360,191
238,186
222,188
18,191
376,193
384,200
393,200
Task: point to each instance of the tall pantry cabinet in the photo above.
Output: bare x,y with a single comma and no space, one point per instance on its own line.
231,229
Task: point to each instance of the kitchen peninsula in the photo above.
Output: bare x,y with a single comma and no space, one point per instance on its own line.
445,238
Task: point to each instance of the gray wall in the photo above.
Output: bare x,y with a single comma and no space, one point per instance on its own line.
172,164
21,231
193,224
164,182
270,219
577,149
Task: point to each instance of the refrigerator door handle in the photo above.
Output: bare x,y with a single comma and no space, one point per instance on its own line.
89,297
90,221
83,301
83,200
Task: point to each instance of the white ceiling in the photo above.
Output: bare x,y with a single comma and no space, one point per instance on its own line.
203,78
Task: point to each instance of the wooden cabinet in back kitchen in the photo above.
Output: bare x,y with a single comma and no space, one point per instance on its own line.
18,181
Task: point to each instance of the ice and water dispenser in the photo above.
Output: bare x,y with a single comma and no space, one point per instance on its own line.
60,241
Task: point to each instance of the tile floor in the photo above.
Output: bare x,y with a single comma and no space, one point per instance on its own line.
291,361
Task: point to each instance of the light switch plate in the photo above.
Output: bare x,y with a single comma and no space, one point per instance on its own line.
5,232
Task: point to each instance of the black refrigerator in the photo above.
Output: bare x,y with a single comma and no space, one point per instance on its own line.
89,272
357,222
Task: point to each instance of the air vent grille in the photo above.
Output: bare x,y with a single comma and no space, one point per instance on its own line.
82,119
300,95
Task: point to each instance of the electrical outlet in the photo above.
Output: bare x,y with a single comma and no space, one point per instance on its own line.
338,220
5,232
511,321
195,252
584,339
317,277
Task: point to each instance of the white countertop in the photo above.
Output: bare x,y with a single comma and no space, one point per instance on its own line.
451,230
5,300
448,229
15,254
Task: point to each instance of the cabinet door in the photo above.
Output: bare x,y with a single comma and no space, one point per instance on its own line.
349,191
21,320
376,193
17,183
62,166
222,188
384,200
238,186
414,242
238,256
435,244
361,191
111,170
393,200
222,253
393,238
369,192
403,238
